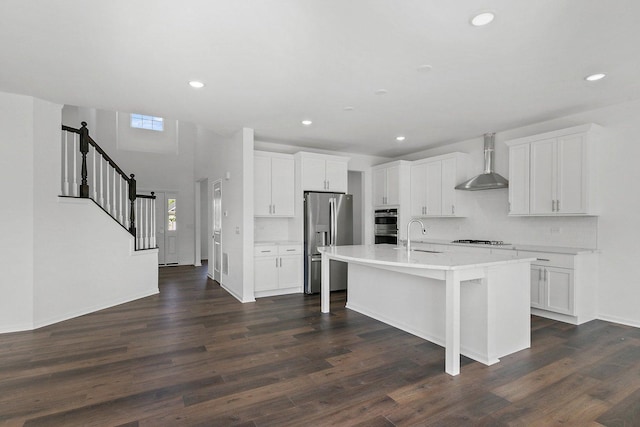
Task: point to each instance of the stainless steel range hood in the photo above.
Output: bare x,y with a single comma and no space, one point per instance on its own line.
488,180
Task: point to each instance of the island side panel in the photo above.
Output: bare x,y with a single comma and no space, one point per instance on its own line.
509,306
417,305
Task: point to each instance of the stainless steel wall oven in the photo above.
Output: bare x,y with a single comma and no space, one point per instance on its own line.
386,226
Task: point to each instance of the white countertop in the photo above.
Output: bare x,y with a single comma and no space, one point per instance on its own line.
513,247
390,256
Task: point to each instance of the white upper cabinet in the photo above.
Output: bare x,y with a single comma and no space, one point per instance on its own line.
519,179
273,181
324,173
388,180
433,182
553,173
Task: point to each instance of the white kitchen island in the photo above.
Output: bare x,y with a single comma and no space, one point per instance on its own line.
472,304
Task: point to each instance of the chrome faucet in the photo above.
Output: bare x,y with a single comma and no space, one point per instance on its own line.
424,231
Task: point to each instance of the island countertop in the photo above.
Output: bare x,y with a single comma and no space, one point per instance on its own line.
503,294
391,255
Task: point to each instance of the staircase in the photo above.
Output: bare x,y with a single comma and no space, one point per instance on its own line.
89,173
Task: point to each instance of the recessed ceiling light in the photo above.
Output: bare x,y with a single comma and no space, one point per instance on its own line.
381,92
425,68
196,84
482,19
400,138
307,122
595,77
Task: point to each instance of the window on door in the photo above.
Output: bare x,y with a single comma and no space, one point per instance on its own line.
171,215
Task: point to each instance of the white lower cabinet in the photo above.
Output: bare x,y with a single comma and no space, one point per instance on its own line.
552,289
277,269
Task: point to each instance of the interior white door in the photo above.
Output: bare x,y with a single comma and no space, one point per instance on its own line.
216,201
167,227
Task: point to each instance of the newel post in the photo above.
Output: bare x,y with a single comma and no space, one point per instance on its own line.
132,204
84,149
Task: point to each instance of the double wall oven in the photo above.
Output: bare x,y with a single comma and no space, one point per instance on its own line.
386,226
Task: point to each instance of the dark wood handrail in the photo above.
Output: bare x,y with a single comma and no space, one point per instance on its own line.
146,196
99,149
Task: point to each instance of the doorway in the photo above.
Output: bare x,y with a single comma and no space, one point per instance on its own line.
216,236
167,227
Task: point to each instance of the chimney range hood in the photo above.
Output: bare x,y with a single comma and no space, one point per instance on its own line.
488,180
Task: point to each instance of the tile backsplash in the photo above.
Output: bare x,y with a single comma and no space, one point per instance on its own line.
488,219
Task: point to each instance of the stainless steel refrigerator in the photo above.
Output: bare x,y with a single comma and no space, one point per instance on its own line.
328,220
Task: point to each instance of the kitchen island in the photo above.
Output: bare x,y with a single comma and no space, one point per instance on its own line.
472,304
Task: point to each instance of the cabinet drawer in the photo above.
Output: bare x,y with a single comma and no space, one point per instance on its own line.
550,260
289,249
265,250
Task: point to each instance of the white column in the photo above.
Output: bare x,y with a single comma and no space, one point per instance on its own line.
452,323
325,305
94,171
108,207
126,204
153,223
121,200
65,158
76,148
101,181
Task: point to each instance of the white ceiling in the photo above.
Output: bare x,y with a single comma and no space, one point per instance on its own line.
268,64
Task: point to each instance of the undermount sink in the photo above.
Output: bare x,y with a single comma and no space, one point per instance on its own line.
418,250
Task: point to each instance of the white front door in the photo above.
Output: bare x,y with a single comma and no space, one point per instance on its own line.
217,229
167,227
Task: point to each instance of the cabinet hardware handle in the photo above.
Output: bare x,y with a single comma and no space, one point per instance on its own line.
553,206
453,209
274,208
542,259
557,205
276,262
280,262
539,274
290,250
265,252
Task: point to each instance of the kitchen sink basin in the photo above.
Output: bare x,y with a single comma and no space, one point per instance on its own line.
419,250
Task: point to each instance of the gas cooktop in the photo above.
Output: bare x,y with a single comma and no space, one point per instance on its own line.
481,242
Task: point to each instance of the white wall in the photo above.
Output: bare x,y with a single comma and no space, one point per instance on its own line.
215,157
16,245
168,167
615,232
68,257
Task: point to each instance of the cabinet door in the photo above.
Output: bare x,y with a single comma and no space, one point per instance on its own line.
418,190
393,185
519,179
571,187
543,170
290,271
262,185
537,286
313,174
336,175
449,173
379,187
265,273
559,290
434,188
282,186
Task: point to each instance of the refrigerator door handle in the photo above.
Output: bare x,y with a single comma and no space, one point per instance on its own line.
334,222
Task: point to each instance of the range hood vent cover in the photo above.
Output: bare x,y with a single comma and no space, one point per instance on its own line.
488,180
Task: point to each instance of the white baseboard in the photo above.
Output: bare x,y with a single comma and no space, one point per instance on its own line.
619,320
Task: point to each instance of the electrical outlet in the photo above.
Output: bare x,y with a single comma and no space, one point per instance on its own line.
237,230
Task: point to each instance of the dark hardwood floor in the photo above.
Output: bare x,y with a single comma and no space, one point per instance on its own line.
193,355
